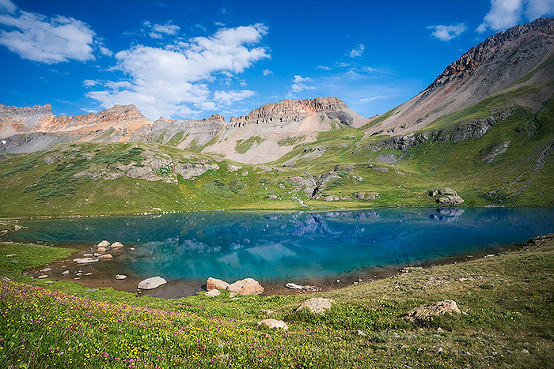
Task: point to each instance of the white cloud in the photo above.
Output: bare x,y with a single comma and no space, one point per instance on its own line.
508,13
48,40
323,67
89,83
229,97
7,6
538,8
173,81
300,84
447,33
267,72
357,51
158,31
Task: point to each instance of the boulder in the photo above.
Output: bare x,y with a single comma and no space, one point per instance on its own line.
104,244
101,249
213,293
120,277
273,324
105,257
294,286
234,168
216,284
117,245
425,312
151,283
247,286
449,200
65,272
317,305
272,197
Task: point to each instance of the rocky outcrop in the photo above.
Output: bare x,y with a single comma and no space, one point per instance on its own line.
191,171
471,129
495,151
426,312
317,305
26,111
446,196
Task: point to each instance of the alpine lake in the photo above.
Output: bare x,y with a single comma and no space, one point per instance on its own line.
326,249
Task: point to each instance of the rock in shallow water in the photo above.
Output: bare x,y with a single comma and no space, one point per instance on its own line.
151,283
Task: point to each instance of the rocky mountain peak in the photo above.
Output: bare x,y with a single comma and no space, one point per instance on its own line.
524,38
213,118
26,111
297,107
120,112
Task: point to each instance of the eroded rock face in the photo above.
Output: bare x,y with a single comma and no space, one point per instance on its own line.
317,305
438,308
247,286
191,171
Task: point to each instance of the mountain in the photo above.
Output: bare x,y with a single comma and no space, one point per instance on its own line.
264,135
482,132
495,66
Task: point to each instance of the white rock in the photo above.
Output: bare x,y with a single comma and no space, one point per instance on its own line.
117,245
293,286
104,244
213,293
66,272
274,323
151,283
120,277
85,260
105,257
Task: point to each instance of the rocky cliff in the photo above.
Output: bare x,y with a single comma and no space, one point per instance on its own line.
495,66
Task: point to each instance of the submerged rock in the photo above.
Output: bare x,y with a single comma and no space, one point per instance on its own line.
151,283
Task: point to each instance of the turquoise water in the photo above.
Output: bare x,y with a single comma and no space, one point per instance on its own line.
280,247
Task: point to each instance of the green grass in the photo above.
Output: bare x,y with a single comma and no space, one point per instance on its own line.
244,146
507,300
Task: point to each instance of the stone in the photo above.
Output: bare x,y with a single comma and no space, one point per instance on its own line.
272,197
273,324
247,286
234,168
92,290
120,277
65,272
449,200
101,249
151,283
244,173
88,255
294,286
317,305
216,284
48,282
426,312
361,333
105,257
10,255
104,244
42,276
46,270
85,260
87,274
213,293
116,245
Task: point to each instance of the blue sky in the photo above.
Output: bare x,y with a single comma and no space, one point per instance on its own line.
191,59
